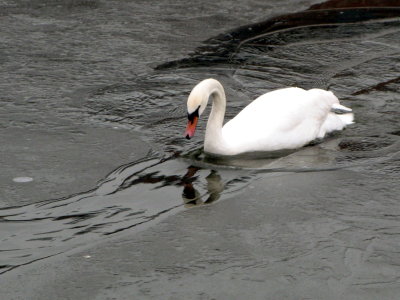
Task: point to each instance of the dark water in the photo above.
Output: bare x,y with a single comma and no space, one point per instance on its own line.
351,179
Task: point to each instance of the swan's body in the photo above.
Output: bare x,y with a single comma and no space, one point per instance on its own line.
283,119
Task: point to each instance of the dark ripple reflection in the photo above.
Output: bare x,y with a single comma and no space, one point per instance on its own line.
133,195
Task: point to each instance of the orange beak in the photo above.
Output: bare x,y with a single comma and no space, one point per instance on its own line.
191,127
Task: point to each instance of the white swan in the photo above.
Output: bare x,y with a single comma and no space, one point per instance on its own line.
288,118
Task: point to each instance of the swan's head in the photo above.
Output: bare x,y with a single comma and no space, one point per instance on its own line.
196,104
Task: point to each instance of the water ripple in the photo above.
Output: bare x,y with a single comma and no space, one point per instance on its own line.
351,56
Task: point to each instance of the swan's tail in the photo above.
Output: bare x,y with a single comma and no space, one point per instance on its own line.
335,122
347,119
339,107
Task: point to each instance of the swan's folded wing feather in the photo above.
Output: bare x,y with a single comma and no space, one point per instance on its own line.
286,118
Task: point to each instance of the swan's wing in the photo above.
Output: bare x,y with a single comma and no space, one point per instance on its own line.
282,110
285,118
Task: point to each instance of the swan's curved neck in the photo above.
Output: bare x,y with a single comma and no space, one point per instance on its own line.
214,141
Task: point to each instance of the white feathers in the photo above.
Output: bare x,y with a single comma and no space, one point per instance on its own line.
335,122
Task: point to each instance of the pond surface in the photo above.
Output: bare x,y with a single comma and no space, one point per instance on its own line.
331,213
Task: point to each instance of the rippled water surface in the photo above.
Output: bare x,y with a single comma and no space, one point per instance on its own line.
351,178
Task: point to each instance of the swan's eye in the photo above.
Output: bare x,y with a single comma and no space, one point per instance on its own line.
194,115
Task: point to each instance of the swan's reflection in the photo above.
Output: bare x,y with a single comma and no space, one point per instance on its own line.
192,197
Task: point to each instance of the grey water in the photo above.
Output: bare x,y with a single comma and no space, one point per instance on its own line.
95,91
